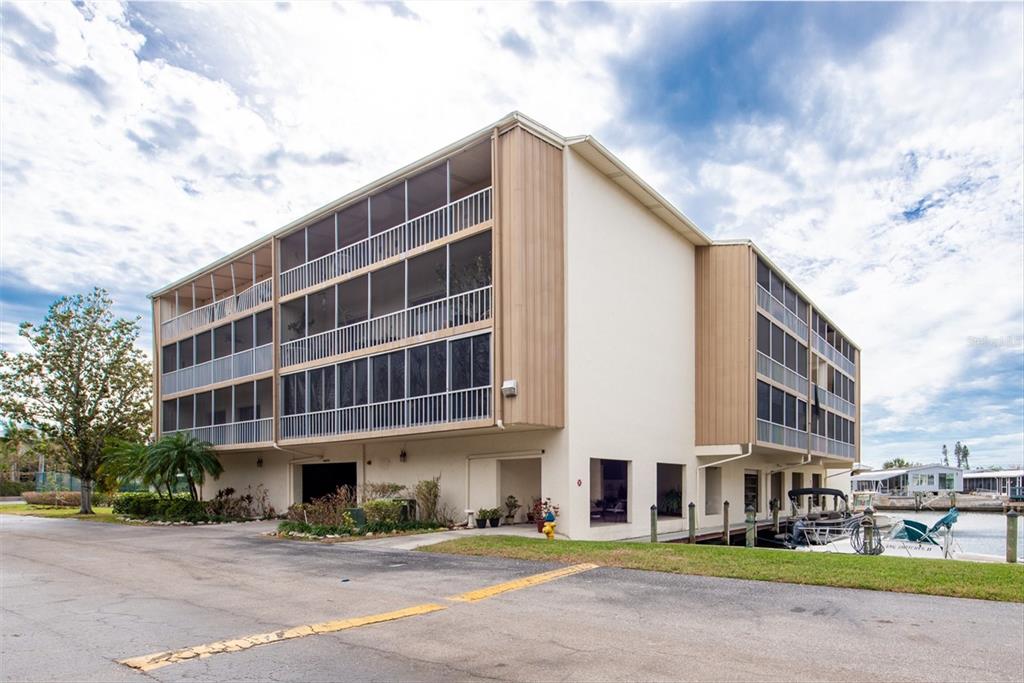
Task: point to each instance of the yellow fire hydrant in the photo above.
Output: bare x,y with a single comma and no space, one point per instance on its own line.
549,530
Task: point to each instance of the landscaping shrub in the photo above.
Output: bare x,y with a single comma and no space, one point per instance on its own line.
140,504
347,528
407,525
383,510
381,489
15,488
253,504
329,510
65,498
180,509
428,496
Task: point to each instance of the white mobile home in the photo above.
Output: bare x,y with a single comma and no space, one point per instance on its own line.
907,482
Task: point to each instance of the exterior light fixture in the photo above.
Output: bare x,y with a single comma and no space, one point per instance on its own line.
259,462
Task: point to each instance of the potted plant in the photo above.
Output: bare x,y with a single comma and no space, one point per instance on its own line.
494,516
482,515
511,507
534,512
541,509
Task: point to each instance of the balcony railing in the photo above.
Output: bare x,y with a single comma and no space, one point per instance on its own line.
442,408
837,404
235,366
821,444
259,293
830,352
232,433
769,367
446,220
778,310
460,309
784,436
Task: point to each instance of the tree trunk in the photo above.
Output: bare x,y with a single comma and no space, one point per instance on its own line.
86,507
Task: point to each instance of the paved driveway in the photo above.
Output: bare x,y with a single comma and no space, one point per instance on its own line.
77,597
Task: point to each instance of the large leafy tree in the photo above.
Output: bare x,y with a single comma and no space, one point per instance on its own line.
83,381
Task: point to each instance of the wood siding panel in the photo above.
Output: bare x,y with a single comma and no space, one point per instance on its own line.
725,344
529,232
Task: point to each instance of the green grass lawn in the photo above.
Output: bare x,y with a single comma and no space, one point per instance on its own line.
985,581
103,514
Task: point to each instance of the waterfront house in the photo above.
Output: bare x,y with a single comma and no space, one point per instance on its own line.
1001,482
908,481
524,315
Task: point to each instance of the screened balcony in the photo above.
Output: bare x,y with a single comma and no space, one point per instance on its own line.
234,415
241,285
830,352
443,382
440,201
231,351
440,289
769,432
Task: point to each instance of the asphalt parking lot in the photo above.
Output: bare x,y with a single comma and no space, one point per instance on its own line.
78,598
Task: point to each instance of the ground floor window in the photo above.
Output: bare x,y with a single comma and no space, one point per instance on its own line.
712,490
751,490
778,484
670,490
609,489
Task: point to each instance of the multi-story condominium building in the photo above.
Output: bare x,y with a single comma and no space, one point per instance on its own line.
523,315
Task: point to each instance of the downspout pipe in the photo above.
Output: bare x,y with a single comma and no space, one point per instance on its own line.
745,454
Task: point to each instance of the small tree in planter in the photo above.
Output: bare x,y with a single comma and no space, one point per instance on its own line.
494,517
511,507
482,515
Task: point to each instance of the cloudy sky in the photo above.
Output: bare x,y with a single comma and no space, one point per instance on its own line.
875,151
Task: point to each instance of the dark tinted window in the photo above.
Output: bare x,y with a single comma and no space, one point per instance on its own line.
169,416
353,223
320,311
169,358
778,344
293,250
204,347
418,370
790,352
777,415
387,209
264,327
791,299
764,335
352,301
801,415
461,363
361,381
438,367
320,238
482,360
204,409
186,352
778,289
380,378
801,359
222,406
470,263
264,398
245,402
222,341
396,375
764,275
244,334
186,406
790,410
764,397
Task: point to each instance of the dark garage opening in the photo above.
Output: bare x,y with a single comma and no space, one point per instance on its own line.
324,479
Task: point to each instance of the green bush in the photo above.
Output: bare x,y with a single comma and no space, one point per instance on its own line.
141,504
383,510
406,525
15,488
181,509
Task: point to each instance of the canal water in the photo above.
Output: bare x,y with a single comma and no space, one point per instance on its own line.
976,532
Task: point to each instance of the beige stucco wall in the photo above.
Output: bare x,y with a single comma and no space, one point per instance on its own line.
458,460
630,347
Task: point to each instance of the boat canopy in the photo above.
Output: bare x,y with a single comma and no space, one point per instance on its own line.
816,491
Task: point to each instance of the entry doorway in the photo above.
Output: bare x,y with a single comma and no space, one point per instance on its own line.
323,479
671,487
519,478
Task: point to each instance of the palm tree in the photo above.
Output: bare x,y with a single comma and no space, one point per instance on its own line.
128,462
181,453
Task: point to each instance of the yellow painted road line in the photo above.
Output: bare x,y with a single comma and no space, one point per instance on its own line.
525,582
160,659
